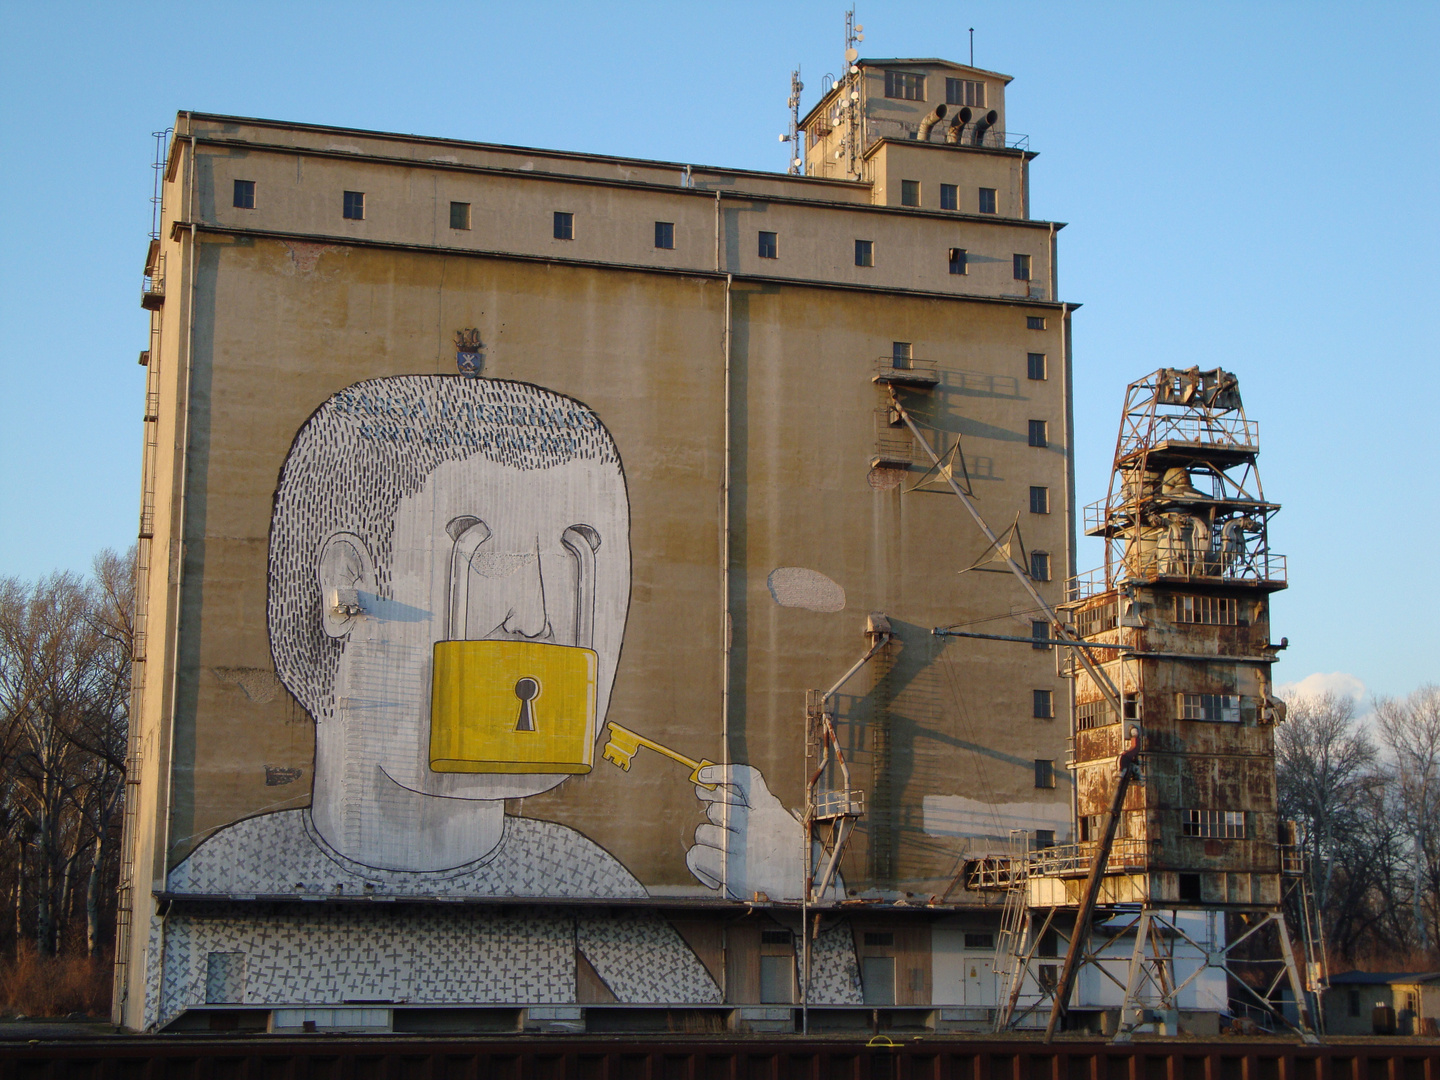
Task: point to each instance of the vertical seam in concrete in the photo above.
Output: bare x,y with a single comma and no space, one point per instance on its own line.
167,730
1070,540
726,629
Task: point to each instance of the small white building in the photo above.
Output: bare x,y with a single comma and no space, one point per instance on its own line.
1383,1003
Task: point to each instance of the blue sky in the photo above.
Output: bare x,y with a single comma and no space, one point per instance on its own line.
1246,185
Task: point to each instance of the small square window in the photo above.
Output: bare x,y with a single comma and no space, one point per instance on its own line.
1044,704
664,234
979,940
1092,827
1039,433
965,92
987,200
1222,708
1213,824
1044,768
769,245
909,192
1022,267
949,197
1189,887
1034,322
1040,565
245,194
1039,500
905,85
460,215
864,252
959,263
1039,630
564,225
1035,366
880,939
902,355
355,205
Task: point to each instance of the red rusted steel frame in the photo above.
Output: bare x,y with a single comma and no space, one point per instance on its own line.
261,1057
1081,932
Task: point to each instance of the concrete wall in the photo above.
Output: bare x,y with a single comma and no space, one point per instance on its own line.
269,313
300,195
932,165
897,119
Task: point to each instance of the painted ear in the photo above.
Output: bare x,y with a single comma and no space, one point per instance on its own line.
347,583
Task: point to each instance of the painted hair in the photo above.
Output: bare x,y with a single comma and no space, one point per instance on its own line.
373,444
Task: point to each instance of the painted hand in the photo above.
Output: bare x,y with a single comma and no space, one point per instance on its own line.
750,842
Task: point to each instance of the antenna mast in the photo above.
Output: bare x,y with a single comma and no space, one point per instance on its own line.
850,94
797,157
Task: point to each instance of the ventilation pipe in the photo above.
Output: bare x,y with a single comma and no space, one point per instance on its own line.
957,126
930,121
984,124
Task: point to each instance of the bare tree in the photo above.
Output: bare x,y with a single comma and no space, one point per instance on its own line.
1323,765
49,646
1410,731
65,657
1329,784
104,731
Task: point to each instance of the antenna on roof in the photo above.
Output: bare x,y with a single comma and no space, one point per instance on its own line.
972,46
853,35
849,112
793,136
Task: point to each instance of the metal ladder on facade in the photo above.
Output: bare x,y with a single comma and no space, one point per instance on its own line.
1010,943
1312,944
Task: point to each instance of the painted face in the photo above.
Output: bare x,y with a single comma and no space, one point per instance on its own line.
487,670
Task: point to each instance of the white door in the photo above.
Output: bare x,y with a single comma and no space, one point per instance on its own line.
979,981
947,966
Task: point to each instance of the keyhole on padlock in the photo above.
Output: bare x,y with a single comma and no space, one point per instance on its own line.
527,690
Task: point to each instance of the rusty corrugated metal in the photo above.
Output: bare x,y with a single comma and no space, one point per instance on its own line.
661,1058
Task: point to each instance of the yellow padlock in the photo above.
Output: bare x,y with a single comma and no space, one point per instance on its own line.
512,707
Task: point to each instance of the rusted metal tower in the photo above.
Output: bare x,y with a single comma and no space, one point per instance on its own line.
1176,804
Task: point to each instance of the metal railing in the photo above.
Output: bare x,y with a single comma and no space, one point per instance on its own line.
1074,860
1292,859
1231,432
1209,567
833,804
152,288
991,138
892,444
905,369
995,872
1248,567
1097,515
1084,586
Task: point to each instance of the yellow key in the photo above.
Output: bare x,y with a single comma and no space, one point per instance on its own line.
624,744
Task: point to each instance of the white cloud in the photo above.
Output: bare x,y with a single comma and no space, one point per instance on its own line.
1339,683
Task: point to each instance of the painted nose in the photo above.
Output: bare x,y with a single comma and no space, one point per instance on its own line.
527,617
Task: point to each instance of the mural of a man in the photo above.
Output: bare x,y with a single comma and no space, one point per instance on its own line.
432,532
378,486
